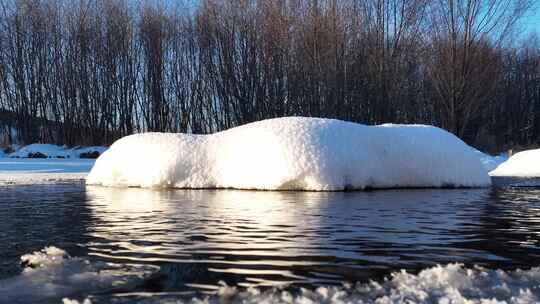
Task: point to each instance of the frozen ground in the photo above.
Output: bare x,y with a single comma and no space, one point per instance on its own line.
38,171
51,273
293,153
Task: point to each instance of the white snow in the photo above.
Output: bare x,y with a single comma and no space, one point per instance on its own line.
17,171
522,164
54,151
293,153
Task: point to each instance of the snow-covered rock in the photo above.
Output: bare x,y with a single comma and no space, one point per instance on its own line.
522,164
293,153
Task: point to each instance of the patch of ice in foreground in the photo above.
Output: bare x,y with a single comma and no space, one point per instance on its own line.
440,284
522,164
293,153
52,274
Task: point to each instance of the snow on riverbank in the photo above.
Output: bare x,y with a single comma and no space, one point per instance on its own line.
54,151
17,171
51,274
293,153
47,164
522,164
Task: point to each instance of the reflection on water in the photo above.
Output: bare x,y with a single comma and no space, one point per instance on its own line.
247,238
265,238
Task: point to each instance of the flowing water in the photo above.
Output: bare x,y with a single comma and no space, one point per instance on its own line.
187,244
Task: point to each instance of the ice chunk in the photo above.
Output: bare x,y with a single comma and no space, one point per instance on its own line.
46,257
293,153
522,164
51,274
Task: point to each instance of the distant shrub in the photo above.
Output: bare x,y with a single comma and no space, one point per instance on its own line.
37,155
9,149
90,155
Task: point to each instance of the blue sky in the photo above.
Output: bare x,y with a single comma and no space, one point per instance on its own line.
531,21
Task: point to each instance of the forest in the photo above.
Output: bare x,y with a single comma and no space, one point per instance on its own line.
88,72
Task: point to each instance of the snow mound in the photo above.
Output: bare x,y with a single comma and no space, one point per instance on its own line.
522,164
51,274
452,283
293,153
54,151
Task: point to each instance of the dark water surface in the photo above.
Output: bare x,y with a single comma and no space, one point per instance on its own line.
244,238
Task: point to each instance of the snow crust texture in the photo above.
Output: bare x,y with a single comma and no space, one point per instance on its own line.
293,153
522,164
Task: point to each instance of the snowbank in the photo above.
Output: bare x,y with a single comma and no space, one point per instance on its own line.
54,151
522,164
293,153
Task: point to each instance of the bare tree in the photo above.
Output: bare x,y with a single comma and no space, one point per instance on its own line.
462,60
